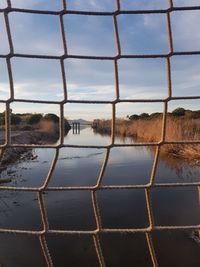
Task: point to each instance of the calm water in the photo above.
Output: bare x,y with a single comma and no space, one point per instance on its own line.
72,210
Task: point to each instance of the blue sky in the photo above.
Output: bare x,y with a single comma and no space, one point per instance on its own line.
94,35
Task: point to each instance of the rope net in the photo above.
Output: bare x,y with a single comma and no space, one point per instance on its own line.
41,234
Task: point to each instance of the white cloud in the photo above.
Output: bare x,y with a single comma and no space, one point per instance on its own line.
4,45
4,91
186,2
3,4
22,107
38,91
88,111
93,92
36,34
37,4
90,35
144,4
142,92
185,28
91,5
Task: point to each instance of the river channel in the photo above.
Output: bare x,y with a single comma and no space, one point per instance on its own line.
119,209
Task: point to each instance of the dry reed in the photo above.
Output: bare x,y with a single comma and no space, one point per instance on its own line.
150,130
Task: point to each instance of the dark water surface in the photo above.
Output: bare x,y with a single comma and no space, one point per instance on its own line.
121,209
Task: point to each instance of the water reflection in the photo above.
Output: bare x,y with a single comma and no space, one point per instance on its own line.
72,210
77,167
123,208
177,170
20,251
86,137
128,165
76,128
170,168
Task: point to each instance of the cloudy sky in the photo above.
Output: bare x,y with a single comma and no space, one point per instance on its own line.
94,36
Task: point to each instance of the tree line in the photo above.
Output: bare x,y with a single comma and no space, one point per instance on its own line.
28,118
178,112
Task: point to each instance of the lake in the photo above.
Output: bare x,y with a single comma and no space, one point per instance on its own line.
119,209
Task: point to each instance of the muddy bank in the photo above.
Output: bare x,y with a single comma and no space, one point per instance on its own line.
39,137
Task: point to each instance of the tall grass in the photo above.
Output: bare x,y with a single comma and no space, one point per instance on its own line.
150,130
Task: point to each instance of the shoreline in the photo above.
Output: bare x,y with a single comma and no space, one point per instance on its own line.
12,154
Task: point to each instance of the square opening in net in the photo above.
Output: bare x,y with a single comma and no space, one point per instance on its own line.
138,123
122,209
175,247
90,79
185,39
123,249
175,206
90,35
69,246
77,167
132,83
84,119
66,210
35,123
125,166
143,34
37,79
185,75
24,212
183,120
25,167
36,34
178,163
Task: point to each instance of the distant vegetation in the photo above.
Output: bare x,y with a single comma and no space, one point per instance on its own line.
178,112
181,124
28,121
31,129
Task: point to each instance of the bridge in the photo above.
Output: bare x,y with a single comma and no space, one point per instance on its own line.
76,127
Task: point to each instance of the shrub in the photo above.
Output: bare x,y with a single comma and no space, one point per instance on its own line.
15,119
144,115
51,117
134,117
155,115
67,127
178,112
34,119
2,118
196,114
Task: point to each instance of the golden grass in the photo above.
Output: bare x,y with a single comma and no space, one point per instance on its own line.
150,130
47,126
